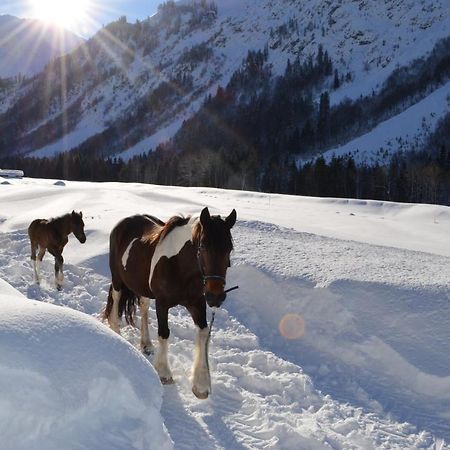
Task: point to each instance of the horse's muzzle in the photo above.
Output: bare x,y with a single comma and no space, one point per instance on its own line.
82,239
214,300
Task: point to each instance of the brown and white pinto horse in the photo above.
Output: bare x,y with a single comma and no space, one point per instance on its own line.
181,262
52,235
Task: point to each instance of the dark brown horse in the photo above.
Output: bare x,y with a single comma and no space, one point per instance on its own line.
181,262
52,235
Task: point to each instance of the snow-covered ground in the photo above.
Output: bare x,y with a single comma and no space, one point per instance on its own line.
339,336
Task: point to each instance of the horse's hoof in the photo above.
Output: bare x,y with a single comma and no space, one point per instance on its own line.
198,394
165,380
59,287
148,351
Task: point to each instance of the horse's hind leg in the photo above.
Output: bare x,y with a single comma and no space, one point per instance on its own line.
112,308
37,260
201,380
34,247
161,362
146,343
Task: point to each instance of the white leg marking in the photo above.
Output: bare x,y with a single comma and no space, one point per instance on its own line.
113,318
59,279
36,274
37,263
146,343
161,363
38,270
201,380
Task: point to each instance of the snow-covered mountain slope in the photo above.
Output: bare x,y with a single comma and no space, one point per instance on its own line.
195,47
65,380
404,132
26,45
337,338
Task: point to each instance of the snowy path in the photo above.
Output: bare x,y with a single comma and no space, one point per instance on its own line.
370,371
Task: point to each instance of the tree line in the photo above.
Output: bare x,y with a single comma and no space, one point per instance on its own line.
409,177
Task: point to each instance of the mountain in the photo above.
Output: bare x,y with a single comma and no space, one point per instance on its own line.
134,86
26,45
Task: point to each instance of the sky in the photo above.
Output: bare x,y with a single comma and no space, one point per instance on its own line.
83,17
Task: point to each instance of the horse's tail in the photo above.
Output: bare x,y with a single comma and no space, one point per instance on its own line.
127,304
32,228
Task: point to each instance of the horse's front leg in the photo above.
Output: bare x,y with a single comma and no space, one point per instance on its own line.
201,378
59,277
161,362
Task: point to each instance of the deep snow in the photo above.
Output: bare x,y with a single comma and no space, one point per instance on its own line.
68,382
361,286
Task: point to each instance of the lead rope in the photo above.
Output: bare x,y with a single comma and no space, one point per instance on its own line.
213,316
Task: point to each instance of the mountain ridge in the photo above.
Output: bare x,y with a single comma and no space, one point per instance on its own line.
196,47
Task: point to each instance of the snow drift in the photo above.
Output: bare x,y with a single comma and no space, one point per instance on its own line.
68,382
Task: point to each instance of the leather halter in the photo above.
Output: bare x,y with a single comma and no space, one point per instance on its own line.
211,277
207,277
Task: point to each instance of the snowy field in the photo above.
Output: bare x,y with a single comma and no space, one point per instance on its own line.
338,338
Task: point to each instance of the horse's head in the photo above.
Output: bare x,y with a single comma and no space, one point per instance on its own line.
78,226
214,248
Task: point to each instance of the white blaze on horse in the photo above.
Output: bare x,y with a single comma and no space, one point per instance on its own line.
181,262
52,235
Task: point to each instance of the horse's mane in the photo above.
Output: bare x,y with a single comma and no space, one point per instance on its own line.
58,218
163,230
215,232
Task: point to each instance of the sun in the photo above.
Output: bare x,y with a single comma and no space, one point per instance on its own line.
67,14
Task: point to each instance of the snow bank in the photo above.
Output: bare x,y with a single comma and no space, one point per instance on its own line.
67,382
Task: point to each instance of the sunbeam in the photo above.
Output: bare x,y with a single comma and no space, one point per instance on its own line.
23,33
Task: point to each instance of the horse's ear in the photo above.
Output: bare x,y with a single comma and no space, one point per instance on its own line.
73,212
81,214
231,219
205,217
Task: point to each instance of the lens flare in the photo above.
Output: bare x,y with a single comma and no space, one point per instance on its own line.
292,326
